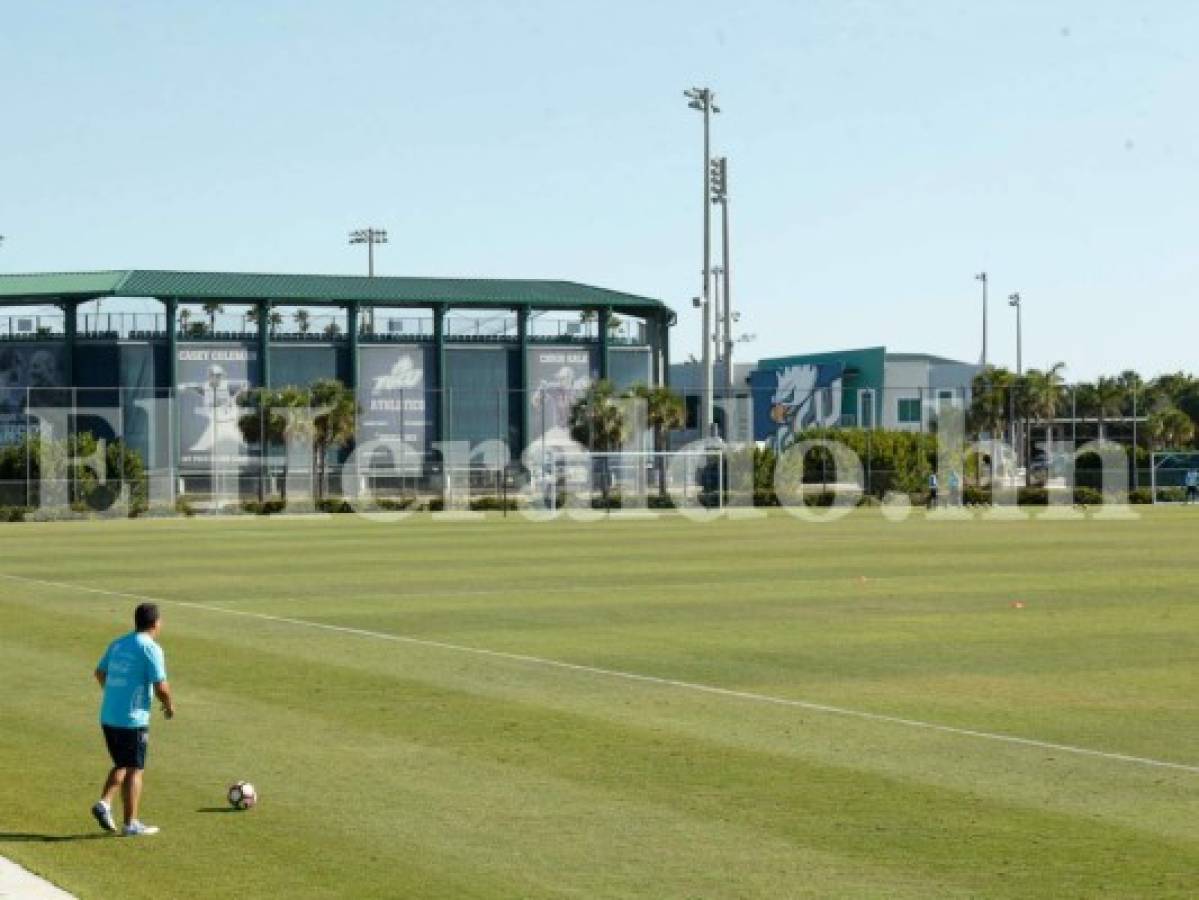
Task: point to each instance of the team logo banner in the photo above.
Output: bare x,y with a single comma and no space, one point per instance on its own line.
792,399
395,396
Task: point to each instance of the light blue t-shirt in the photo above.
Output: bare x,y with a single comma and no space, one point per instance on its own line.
134,664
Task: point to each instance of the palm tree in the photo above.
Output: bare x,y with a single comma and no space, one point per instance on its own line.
1045,394
275,417
598,423
588,316
334,425
1109,400
302,320
185,316
274,318
1133,385
332,330
664,412
1170,429
211,308
989,409
260,424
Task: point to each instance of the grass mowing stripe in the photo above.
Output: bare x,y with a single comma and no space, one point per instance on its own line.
638,677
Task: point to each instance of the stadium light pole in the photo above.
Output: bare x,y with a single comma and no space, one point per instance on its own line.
703,100
1014,300
369,236
720,196
982,276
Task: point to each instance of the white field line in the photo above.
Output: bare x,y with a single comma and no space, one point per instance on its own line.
19,882
636,677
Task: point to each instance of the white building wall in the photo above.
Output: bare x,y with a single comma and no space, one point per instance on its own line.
905,381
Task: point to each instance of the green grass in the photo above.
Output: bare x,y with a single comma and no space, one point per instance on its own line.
403,769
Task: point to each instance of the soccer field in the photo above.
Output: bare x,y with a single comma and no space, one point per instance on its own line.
620,708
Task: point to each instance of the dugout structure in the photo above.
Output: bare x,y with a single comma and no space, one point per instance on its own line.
430,359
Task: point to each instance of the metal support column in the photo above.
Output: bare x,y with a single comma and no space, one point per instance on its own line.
264,343
443,405
522,367
352,339
70,311
604,318
664,324
171,309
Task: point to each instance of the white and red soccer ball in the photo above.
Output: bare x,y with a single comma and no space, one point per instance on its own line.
242,795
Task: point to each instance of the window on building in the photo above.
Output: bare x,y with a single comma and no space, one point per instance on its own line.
692,412
909,410
945,398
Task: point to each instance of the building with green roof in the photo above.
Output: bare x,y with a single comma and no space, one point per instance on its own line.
469,359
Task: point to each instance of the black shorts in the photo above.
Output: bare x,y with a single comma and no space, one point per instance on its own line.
127,746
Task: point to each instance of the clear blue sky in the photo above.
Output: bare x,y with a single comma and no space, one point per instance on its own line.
881,153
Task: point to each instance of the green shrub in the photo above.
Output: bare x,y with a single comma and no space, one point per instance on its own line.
1086,496
1032,496
492,504
395,504
264,508
13,513
1144,495
973,495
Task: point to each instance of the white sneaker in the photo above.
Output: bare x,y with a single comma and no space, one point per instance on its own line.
103,815
137,829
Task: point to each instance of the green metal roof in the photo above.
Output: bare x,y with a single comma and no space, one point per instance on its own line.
235,287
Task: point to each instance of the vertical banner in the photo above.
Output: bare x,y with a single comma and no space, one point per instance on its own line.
558,378
210,377
36,366
395,396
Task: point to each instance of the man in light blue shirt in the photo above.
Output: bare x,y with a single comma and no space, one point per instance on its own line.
131,669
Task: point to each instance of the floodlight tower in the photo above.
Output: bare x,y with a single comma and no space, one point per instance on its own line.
370,237
703,100
719,181
1014,300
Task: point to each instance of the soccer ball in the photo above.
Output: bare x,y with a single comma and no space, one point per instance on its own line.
242,795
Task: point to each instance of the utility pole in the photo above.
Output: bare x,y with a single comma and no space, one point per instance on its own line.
704,100
370,237
982,277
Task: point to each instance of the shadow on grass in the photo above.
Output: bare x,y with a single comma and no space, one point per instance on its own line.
25,837
217,809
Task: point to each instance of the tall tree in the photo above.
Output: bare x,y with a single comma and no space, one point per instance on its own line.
1170,429
598,423
1109,400
303,320
664,411
333,425
989,404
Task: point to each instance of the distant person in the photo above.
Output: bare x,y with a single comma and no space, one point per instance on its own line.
1192,483
932,490
131,668
955,488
